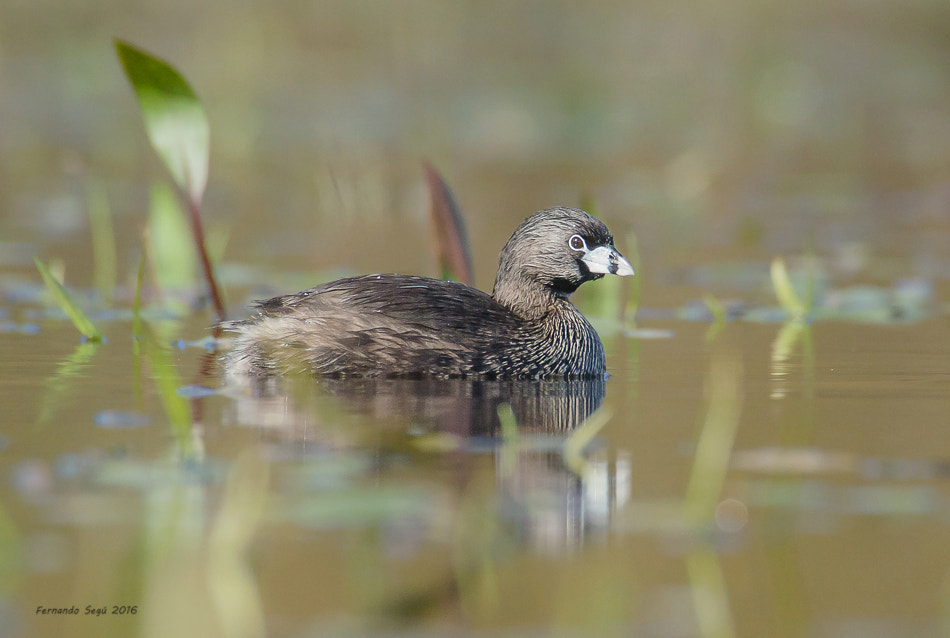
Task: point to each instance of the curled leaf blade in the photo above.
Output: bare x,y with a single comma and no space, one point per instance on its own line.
449,238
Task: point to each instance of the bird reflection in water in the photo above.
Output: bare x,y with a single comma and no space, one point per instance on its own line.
466,407
305,414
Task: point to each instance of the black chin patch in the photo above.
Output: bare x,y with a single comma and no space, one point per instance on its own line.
585,271
564,286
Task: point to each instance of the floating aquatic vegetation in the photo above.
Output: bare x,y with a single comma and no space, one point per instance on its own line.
325,471
907,300
812,461
805,296
360,506
836,501
26,328
208,343
70,466
120,419
144,475
196,391
649,333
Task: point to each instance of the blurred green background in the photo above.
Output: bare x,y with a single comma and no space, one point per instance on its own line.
708,127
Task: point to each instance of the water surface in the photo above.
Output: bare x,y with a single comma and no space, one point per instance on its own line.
749,477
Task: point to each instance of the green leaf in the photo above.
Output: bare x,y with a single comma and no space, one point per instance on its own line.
138,325
76,314
137,300
632,252
103,241
170,246
167,382
716,438
174,118
508,423
580,438
510,439
785,292
719,316
60,387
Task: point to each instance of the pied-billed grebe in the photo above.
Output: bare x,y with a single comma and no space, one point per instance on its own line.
408,326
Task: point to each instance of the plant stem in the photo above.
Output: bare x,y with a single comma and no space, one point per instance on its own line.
198,231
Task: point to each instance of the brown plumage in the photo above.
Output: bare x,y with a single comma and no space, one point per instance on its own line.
408,326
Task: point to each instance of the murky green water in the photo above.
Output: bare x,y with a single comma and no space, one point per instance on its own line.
748,477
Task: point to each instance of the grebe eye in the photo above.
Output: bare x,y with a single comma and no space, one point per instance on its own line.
577,242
